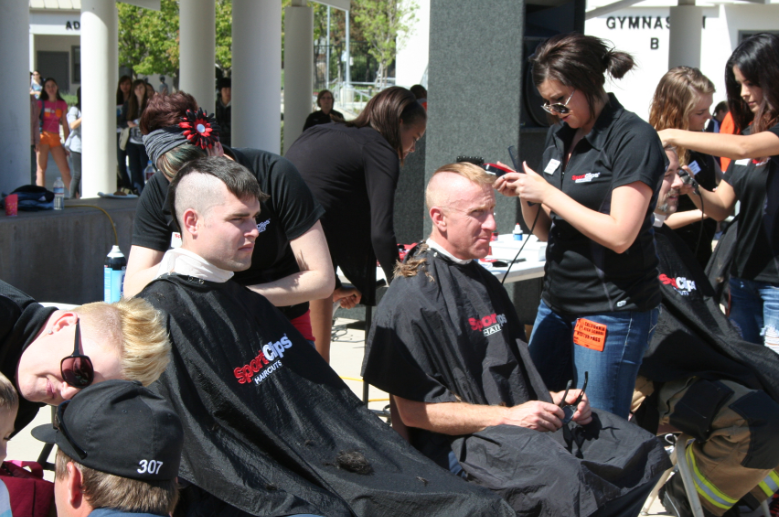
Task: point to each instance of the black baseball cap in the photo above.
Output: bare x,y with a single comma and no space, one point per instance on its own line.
121,428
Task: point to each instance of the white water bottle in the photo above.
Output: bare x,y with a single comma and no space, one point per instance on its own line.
517,232
148,172
59,195
114,269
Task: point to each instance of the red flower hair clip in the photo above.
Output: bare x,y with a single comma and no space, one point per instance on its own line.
200,129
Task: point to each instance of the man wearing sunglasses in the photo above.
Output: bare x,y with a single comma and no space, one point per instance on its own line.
699,377
270,430
51,354
446,342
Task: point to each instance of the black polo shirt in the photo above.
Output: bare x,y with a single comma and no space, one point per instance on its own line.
581,276
757,245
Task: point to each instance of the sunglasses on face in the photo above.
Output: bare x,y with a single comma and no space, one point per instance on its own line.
558,108
77,369
570,409
59,425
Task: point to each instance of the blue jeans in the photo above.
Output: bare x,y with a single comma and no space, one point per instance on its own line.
612,372
754,310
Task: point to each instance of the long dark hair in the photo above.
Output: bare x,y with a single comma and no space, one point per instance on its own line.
758,60
386,110
119,95
45,96
134,110
580,62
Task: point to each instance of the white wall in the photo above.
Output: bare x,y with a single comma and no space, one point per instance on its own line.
649,45
411,62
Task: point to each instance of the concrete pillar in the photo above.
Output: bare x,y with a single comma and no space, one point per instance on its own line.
14,90
298,69
256,84
99,33
197,44
684,46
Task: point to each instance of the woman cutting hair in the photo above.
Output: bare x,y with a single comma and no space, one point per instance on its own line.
682,100
752,82
290,264
592,199
353,170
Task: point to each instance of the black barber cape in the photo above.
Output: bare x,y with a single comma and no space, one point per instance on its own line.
450,333
693,337
265,418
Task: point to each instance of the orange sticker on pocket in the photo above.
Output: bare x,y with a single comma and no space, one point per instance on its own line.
589,334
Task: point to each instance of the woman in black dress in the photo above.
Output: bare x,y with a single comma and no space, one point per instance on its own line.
352,170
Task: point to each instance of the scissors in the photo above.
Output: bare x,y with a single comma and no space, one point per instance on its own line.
570,409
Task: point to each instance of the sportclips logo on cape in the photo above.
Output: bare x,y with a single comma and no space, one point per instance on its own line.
488,325
682,285
269,355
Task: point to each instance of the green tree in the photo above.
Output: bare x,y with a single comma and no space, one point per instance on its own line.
383,25
149,40
224,36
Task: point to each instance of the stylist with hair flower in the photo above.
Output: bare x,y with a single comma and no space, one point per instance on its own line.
593,199
290,262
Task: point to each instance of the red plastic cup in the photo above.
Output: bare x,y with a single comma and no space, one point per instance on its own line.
12,205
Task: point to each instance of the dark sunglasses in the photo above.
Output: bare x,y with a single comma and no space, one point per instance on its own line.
59,425
77,369
558,108
570,409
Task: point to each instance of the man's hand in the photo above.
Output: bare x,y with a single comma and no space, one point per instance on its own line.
536,415
583,414
349,297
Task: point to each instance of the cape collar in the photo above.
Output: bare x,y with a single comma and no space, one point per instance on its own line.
658,220
185,262
440,249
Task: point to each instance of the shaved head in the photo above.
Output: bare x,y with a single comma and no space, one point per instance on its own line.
200,192
200,185
460,202
447,180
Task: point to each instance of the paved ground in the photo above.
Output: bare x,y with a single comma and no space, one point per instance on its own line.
346,358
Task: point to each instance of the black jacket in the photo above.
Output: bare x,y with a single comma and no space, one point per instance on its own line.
693,337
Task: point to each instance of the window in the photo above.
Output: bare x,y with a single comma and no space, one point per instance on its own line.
75,53
742,35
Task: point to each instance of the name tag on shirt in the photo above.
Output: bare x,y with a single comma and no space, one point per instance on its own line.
694,167
552,166
743,162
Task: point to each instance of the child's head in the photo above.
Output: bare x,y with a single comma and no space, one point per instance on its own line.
9,405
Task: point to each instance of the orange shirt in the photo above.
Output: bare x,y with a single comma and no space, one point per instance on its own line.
727,127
